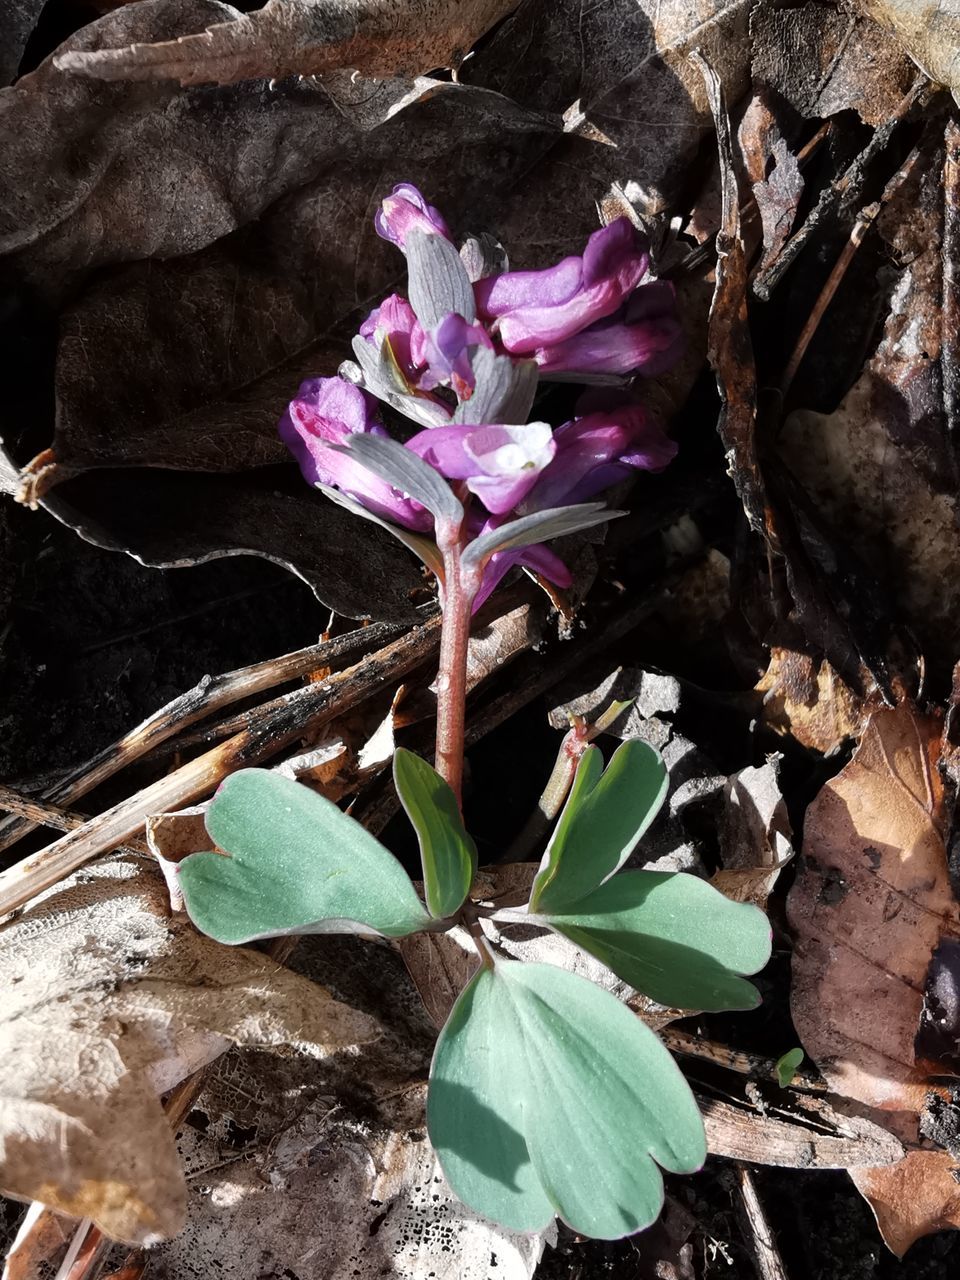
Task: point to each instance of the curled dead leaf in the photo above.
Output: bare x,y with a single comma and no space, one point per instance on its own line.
774,175
306,38
756,837
808,700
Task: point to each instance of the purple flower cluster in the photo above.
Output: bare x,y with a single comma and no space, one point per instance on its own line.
461,357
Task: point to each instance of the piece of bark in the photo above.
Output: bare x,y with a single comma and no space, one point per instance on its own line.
850,1143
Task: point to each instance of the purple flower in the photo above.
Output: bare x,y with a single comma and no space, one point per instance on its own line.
597,451
448,354
394,322
530,310
643,336
500,464
592,453
327,411
405,210
426,360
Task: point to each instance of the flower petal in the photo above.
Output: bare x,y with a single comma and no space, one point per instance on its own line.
404,210
500,463
598,450
533,309
394,322
322,418
647,340
538,558
448,349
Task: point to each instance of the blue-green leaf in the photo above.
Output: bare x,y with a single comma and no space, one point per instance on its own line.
448,855
296,864
504,390
548,1096
673,937
539,527
377,372
588,774
600,825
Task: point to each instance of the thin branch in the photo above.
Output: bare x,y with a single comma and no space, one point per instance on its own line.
297,712
762,1240
754,1065
39,813
864,222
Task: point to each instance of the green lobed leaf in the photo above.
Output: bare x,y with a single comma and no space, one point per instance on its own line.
788,1066
673,937
590,1105
296,864
448,855
600,824
588,774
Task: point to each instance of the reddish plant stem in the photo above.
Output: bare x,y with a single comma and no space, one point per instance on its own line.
459,591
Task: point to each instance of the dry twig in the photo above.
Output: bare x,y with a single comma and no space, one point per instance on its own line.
281,723
210,695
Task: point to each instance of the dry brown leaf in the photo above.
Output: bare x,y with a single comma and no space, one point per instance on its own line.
929,31
109,1003
913,1198
774,175
17,20
821,59
806,699
869,907
729,343
84,162
306,37
94,173
617,71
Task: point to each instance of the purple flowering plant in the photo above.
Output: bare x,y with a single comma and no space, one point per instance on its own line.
547,1096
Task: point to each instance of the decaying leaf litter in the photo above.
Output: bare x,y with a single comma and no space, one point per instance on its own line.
186,234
